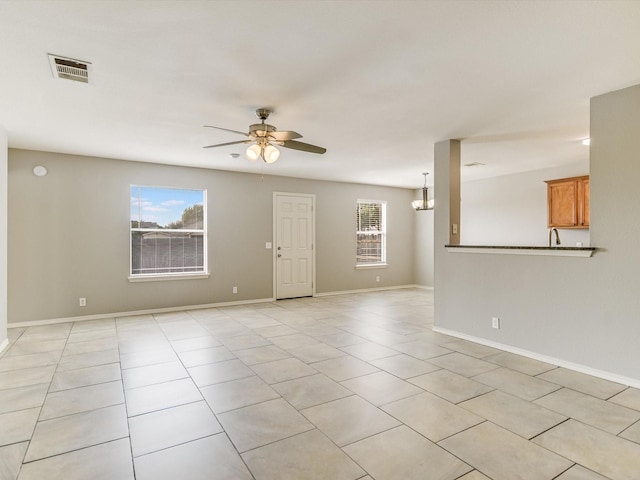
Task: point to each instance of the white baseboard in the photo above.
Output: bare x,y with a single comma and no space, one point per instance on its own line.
613,377
102,316
4,344
365,290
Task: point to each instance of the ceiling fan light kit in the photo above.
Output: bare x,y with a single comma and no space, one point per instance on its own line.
263,138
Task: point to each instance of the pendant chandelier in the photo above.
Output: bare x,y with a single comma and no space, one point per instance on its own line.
424,203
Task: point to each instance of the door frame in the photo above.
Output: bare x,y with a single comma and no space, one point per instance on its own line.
275,239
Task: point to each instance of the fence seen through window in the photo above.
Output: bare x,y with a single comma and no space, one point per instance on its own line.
168,231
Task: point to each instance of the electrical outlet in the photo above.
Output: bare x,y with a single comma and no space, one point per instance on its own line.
83,302
495,322
454,229
235,289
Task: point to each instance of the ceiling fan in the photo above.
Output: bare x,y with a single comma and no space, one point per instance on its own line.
263,138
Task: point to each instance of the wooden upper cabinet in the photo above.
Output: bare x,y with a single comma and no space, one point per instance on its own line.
568,202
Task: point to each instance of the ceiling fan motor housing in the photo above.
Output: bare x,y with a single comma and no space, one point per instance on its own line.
260,130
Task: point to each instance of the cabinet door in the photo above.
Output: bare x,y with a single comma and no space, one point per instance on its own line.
584,207
562,203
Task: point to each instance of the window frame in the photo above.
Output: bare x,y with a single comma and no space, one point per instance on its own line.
382,263
150,277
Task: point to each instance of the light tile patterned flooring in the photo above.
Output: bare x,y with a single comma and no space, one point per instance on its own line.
344,387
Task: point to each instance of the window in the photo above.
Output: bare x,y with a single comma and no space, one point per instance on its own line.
168,232
371,232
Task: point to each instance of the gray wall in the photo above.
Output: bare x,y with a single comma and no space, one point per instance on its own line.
423,255
3,236
583,311
69,236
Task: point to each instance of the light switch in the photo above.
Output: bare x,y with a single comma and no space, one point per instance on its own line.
454,229
268,245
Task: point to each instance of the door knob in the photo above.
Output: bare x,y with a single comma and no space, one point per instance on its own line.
279,255
279,248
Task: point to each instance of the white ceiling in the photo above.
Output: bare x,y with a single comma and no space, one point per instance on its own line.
375,82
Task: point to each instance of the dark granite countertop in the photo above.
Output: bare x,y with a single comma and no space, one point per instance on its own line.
522,247
523,250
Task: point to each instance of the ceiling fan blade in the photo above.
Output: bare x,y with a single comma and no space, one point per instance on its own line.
227,130
284,136
305,147
228,143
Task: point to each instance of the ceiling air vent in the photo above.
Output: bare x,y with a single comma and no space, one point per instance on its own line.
69,69
475,164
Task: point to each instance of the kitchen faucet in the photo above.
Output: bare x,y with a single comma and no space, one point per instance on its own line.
557,236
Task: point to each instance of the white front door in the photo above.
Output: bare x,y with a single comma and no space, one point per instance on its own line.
294,259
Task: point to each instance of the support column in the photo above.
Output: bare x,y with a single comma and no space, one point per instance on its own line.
4,193
446,228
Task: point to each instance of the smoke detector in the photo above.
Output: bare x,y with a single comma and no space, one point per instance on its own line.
69,68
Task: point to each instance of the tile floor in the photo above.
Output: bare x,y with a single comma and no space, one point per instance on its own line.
344,387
